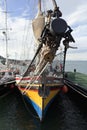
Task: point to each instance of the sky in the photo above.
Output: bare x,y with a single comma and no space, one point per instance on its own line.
20,14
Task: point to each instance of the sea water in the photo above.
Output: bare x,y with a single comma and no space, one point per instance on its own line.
80,66
64,114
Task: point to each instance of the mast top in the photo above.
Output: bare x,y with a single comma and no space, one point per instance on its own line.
39,7
54,4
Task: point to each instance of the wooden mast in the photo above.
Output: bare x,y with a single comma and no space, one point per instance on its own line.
54,4
38,23
39,7
5,33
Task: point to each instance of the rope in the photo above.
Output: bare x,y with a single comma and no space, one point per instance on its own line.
36,78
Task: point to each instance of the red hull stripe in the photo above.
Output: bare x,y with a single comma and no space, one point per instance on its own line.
28,78
36,90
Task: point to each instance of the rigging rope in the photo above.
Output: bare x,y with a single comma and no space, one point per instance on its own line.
36,78
33,79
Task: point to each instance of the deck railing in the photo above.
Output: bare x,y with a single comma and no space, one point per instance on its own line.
77,78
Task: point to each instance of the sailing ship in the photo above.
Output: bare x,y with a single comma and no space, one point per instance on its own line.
7,79
44,77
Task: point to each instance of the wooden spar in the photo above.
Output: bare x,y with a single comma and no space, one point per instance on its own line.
38,23
39,7
5,33
54,4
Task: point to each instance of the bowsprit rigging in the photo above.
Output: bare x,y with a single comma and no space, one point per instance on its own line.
43,78
52,28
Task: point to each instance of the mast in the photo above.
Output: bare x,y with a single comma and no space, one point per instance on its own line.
5,33
54,3
39,7
38,24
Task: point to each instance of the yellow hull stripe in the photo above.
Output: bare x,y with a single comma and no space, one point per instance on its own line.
34,96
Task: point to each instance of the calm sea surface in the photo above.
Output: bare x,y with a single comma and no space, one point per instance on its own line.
64,114
80,66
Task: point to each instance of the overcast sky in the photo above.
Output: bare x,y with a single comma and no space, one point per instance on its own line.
20,35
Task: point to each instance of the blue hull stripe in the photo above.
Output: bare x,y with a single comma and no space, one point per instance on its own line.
38,109
35,106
